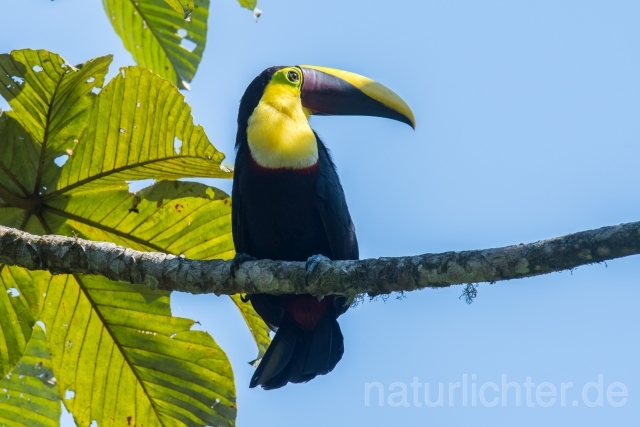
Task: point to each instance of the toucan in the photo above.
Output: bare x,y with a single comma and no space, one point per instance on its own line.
288,204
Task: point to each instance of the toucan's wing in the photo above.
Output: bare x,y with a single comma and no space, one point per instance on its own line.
238,227
269,307
332,207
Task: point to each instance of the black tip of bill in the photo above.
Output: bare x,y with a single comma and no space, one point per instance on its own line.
328,91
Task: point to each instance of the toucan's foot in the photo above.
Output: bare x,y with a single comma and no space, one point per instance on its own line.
238,259
312,263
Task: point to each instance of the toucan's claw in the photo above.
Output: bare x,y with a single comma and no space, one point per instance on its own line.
312,263
238,259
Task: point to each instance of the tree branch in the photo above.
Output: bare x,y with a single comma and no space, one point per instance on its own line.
62,255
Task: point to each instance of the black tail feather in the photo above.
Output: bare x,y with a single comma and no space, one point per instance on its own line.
337,347
277,356
320,347
298,356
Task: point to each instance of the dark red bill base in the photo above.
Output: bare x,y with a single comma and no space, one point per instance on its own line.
326,94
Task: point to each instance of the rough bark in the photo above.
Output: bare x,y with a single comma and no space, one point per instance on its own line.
374,276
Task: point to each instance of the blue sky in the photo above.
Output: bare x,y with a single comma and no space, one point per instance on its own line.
528,120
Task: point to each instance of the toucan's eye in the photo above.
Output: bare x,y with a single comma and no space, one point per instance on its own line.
293,76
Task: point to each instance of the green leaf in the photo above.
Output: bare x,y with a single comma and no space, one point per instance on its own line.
21,154
160,39
248,4
140,127
21,299
176,217
129,132
259,330
125,361
171,216
29,397
50,99
49,96
185,7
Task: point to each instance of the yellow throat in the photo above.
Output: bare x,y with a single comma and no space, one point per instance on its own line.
278,131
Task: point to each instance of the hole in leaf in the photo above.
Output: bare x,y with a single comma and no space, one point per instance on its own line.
69,394
188,45
122,130
14,292
61,160
95,90
177,144
41,324
182,33
138,104
91,80
140,184
37,68
94,423
17,79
